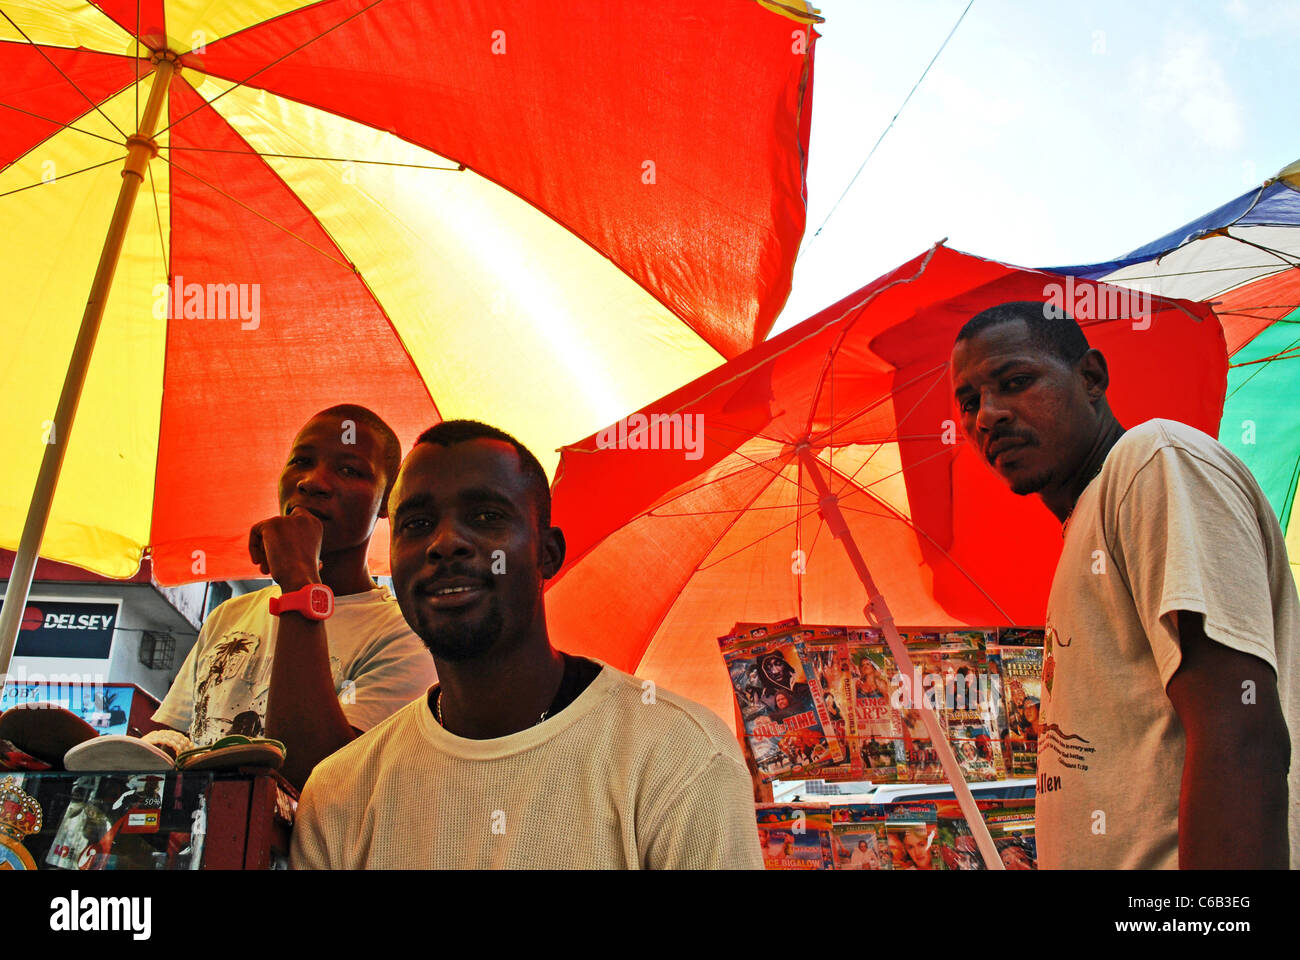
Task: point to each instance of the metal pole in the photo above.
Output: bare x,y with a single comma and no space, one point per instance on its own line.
141,149
878,611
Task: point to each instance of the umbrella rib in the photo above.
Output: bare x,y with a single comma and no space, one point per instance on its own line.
1286,353
299,156
304,240
153,188
735,473
898,423
1280,254
277,60
702,565
63,126
63,176
960,569
1260,306
709,513
663,614
767,536
1290,353
136,38
887,476
848,327
1119,281
37,47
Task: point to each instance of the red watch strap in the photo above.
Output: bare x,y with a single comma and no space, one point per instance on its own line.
314,601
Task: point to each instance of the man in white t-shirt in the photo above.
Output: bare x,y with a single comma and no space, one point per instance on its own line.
313,683
524,756
1169,711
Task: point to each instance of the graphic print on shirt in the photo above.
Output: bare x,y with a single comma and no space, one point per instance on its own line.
1071,750
234,680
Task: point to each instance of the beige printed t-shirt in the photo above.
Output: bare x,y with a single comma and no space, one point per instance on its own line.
224,685
1173,522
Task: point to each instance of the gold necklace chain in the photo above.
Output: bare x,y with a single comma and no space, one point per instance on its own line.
437,712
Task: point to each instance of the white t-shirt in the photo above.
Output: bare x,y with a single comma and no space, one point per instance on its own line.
625,777
377,663
1173,522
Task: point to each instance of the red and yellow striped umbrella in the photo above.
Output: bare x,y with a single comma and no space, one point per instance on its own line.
534,214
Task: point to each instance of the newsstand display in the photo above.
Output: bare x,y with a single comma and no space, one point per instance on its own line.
827,703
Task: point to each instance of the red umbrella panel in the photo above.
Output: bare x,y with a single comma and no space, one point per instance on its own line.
699,511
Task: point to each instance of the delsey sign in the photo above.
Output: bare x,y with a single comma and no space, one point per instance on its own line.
67,628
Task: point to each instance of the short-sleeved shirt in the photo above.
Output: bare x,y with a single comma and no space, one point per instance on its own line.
1174,521
627,776
377,663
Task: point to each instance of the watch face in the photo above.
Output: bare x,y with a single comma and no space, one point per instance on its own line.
322,602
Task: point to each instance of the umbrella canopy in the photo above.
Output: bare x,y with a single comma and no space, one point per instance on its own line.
1244,259
667,548
535,216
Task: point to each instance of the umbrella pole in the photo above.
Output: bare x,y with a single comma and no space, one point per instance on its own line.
141,149
878,610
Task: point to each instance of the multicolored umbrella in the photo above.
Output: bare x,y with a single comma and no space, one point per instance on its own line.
1244,259
531,214
705,507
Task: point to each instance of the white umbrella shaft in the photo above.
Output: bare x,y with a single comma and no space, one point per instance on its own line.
141,149
878,610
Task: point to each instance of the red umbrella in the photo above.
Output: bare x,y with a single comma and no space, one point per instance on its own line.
718,502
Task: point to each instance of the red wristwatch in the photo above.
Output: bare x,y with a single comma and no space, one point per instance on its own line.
314,601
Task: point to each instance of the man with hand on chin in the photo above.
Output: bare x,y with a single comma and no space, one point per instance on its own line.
524,756
323,654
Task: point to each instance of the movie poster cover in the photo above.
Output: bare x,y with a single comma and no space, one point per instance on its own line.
978,754
1022,681
956,843
978,640
911,832
923,765
777,708
1021,636
996,699
825,656
879,747
858,837
1011,823
795,836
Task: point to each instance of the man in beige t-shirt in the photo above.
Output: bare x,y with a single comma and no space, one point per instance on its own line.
1169,711
523,756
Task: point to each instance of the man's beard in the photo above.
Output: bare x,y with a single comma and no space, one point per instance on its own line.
1027,485
466,640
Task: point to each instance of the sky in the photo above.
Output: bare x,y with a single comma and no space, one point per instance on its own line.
1047,133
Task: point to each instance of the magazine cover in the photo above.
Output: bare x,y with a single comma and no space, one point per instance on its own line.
858,837
911,832
978,754
996,703
923,764
1022,681
795,836
955,841
825,655
1011,822
969,639
878,749
777,708
1020,636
